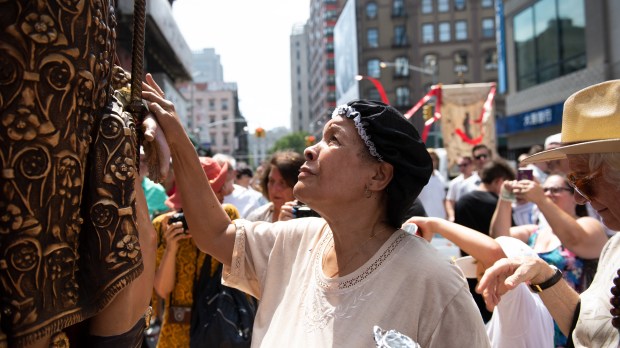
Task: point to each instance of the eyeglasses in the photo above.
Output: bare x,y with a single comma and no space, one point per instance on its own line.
482,156
556,190
582,184
463,164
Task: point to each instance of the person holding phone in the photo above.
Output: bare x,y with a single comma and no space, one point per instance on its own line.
344,279
570,241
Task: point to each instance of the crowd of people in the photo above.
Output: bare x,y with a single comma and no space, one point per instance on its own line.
309,277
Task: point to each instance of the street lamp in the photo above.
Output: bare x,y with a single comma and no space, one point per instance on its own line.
431,71
377,85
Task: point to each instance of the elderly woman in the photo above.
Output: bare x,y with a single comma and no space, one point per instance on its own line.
351,278
591,143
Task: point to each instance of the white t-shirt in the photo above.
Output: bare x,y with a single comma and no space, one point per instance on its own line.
245,199
468,185
453,187
433,195
406,286
520,320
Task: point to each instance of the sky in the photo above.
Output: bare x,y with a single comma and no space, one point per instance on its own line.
253,41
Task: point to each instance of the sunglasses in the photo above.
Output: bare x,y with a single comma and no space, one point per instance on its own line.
582,184
479,157
556,190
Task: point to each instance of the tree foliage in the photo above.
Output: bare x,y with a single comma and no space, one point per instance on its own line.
295,141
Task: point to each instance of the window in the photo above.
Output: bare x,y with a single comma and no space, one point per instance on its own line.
401,66
444,31
428,34
460,62
371,10
430,62
459,5
427,6
443,5
224,121
549,39
211,118
400,36
460,30
402,96
488,27
373,94
212,137
224,104
486,3
398,8
372,37
490,59
225,139
374,70
211,104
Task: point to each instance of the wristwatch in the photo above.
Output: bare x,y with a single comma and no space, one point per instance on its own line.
547,283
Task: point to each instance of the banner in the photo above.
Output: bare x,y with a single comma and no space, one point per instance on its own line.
467,118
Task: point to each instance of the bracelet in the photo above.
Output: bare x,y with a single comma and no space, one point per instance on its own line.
555,278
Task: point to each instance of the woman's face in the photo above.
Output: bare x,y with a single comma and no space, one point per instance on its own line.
558,190
279,191
603,195
336,169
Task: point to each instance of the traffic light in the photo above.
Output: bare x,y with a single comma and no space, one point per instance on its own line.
309,140
259,132
427,112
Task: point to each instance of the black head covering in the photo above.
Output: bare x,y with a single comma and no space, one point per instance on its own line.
390,137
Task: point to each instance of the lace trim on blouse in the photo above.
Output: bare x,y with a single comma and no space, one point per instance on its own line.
327,283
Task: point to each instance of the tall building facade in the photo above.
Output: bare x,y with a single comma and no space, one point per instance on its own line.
300,80
207,66
322,94
553,49
411,45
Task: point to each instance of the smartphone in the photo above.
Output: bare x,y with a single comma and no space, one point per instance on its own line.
525,174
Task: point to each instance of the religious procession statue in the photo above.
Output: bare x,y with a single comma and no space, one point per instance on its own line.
69,242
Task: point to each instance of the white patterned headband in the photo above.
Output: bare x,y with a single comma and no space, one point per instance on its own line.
352,114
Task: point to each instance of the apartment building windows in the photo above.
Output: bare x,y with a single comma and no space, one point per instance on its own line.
460,30
224,104
549,39
398,8
401,66
211,118
486,3
373,94
488,27
371,10
213,139
428,33
443,5
225,139
444,31
460,62
373,68
400,36
459,5
427,6
402,96
211,104
490,59
224,121
372,37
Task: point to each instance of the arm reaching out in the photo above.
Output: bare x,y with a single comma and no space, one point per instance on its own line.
200,204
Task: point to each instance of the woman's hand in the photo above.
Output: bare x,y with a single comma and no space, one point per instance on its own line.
506,274
286,211
163,110
529,190
425,230
173,234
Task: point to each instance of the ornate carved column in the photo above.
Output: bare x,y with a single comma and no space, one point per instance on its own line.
68,239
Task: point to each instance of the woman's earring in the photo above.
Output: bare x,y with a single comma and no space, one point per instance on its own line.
367,192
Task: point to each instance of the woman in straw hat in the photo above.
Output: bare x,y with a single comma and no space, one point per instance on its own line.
353,278
591,143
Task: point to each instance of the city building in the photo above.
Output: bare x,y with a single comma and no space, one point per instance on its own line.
207,66
166,53
553,49
300,80
320,29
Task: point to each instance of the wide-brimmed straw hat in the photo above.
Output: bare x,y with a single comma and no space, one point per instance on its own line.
590,123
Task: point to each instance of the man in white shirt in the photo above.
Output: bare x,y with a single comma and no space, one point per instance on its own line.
244,197
465,167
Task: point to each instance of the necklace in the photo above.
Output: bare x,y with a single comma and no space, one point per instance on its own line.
352,257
